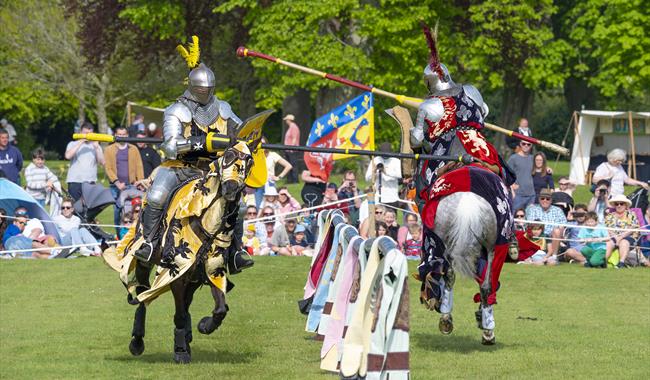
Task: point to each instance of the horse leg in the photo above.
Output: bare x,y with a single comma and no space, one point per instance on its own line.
446,324
485,313
181,351
189,296
137,342
208,324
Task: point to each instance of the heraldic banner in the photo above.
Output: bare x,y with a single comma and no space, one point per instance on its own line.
349,126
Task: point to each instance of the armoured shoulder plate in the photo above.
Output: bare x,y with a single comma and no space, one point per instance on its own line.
179,111
431,110
225,111
474,94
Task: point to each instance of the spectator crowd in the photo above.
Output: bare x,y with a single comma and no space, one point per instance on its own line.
550,227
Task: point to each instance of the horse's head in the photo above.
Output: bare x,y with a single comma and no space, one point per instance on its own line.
234,166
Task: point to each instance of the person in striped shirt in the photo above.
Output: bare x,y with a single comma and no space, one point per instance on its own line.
39,178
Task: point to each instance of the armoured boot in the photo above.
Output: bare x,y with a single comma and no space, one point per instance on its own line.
238,259
150,221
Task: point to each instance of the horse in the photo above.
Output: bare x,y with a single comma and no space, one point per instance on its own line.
467,225
196,232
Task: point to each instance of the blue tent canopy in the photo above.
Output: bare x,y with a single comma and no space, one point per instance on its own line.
13,196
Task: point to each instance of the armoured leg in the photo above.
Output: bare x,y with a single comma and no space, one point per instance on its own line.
236,258
164,183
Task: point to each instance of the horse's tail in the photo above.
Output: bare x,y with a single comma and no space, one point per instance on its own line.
467,224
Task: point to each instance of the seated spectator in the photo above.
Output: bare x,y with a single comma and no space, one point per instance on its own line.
520,214
381,229
595,249
287,202
260,230
4,223
250,241
39,178
391,221
572,246
613,171
364,229
403,234
330,194
546,212
271,199
542,174
565,186
280,240
599,203
69,226
413,246
15,239
621,218
299,244
541,257
349,190
126,223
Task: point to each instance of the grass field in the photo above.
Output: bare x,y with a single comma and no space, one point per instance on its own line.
64,319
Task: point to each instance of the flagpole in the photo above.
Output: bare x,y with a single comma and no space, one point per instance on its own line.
465,158
402,99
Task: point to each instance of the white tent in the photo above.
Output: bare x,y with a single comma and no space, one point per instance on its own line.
598,132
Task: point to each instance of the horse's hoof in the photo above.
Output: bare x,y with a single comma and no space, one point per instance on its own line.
488,338
446,324
136,347
206,325
182,357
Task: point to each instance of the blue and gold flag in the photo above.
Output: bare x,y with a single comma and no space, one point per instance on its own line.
349,126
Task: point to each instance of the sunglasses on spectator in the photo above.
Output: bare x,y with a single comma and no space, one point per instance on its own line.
619,204
544,198
378,212
579,214
564,183
251,213
66,207
267,214
525,144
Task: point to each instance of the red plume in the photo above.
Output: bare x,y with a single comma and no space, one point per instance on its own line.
434,63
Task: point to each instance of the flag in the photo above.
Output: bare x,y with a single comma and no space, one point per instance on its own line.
349,126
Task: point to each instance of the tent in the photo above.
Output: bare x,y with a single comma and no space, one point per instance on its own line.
598,132
151,114
13,196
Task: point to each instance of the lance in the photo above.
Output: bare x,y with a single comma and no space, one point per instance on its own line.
222,141
402,99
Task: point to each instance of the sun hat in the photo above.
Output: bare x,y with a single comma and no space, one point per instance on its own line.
620,198
546,192
250,227
270,191
289,117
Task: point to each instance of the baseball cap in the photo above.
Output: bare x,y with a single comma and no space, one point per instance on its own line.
299,228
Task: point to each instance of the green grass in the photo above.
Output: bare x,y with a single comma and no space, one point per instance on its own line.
69,319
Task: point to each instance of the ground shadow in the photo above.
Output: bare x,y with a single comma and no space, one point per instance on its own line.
198,356
464,344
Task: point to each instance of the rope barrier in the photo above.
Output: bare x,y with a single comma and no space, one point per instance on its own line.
60,247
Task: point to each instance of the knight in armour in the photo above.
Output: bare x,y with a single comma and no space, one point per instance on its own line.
186,126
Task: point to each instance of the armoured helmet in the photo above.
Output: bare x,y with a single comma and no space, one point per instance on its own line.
201,84
436,74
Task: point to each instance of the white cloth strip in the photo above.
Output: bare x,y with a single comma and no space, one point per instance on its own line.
53,222
305,209
642,229
57,247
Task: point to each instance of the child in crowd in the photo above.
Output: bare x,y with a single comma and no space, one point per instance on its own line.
381,229
413,246
39,178
251,242
127,221
595,247
299,244
534,234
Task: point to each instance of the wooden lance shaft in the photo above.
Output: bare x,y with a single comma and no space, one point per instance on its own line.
219,141
402,99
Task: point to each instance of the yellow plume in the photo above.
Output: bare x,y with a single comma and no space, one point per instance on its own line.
191,56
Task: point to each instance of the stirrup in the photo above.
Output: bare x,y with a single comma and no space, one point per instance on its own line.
142,254
234,267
